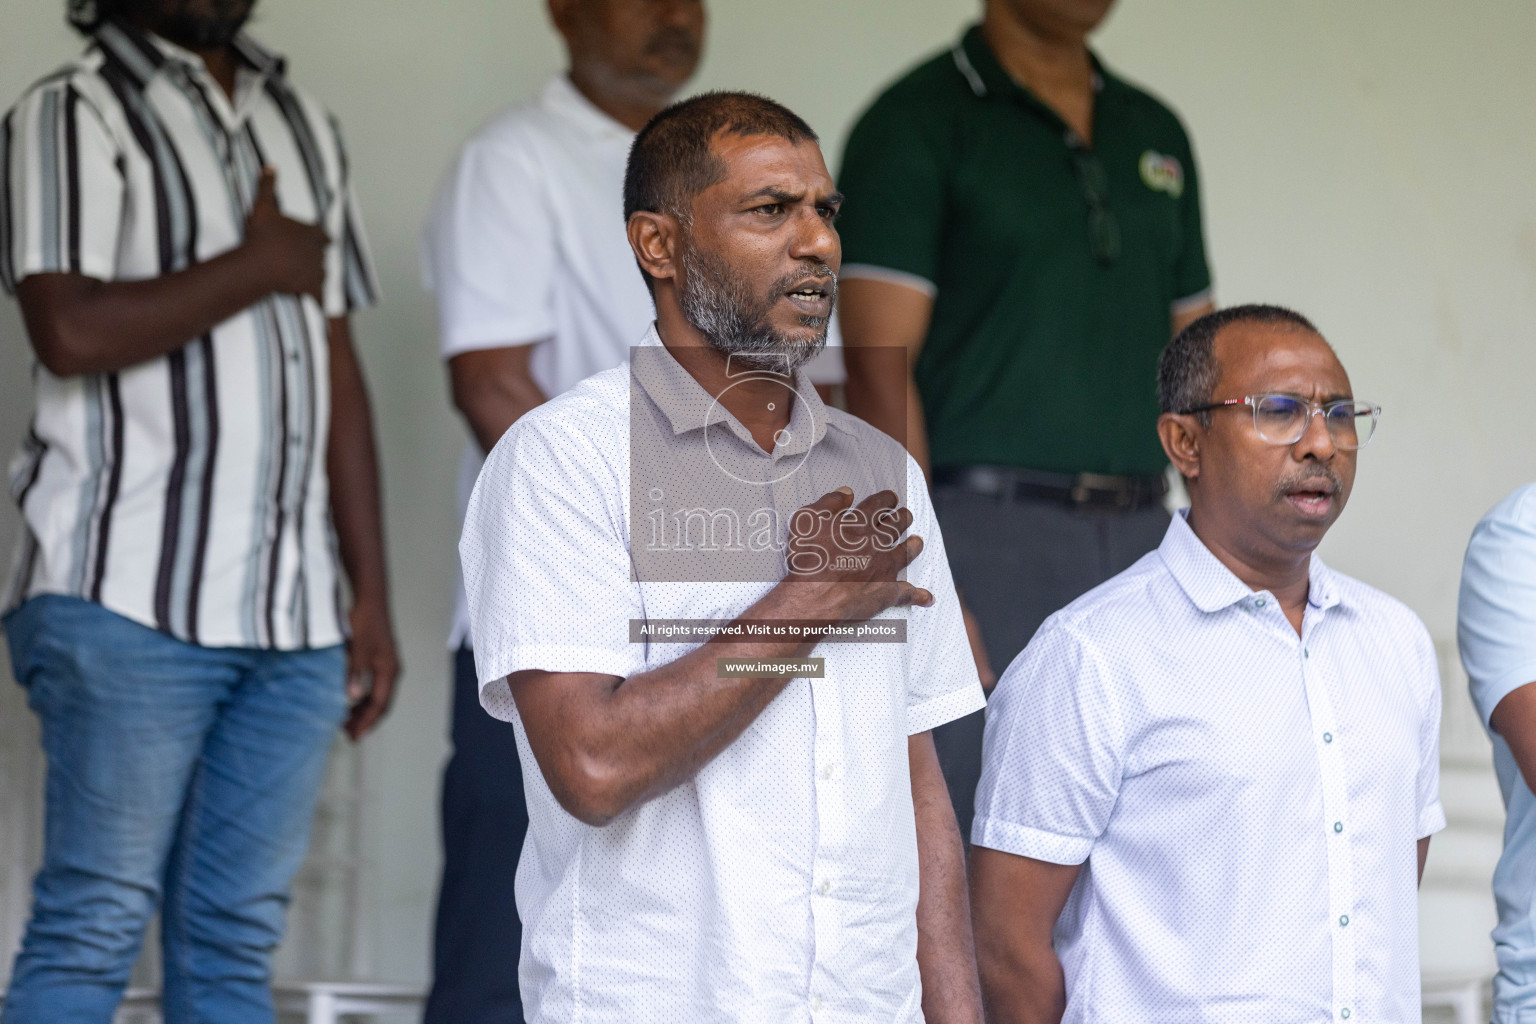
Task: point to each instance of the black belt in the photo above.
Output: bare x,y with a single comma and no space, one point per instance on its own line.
1077,489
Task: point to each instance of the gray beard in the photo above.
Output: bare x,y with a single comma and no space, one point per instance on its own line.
721,307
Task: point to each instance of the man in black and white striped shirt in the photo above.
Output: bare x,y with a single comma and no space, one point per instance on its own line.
178,224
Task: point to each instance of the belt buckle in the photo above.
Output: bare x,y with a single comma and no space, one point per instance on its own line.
989,482
1087,486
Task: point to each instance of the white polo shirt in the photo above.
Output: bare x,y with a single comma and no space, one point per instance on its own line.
1246,802
526,244
780,883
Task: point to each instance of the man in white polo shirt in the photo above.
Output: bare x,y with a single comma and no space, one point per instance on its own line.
1208,785
536,289
711,839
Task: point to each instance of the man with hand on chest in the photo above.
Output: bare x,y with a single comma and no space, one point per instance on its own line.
753,828
177,222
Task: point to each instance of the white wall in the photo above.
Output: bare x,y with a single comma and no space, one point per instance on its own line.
1367,162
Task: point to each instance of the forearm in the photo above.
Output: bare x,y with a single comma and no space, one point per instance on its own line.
884,328
1025,986
646,734
1016,902
491,407
946,958
605,743
353,468
887,398
493,387
873,396
892,406
82,325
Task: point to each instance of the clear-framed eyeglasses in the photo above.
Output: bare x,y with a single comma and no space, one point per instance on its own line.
1283,419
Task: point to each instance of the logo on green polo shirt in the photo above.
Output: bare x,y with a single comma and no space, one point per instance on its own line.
1162,173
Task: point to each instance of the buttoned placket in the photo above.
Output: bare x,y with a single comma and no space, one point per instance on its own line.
1328,746
787,495
229,119
831,831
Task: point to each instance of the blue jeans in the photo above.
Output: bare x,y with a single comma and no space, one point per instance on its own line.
179,777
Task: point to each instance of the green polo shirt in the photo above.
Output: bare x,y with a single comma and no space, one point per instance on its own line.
960,182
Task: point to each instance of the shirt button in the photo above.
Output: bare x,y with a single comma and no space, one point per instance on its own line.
1344,1013
815,1003
1306,652
1259,602
1327,737
1343,920
1338,826
826,771
825,887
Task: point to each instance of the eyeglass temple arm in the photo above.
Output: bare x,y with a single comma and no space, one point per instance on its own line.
1214,405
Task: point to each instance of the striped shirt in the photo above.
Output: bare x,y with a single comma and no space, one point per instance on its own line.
187,492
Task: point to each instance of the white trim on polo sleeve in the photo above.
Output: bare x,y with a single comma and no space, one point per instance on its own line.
870,272
1193,302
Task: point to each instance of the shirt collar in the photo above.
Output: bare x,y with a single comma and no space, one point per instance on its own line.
687,406
1211,586
981,70
143,55
563,99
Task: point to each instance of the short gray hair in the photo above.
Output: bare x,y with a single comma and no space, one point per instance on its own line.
1188,369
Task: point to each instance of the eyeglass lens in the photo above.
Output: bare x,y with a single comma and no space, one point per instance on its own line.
1283,420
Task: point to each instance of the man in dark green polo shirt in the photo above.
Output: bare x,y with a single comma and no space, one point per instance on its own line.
1026,226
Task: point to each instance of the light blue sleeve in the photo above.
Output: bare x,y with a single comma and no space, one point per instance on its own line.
1496,613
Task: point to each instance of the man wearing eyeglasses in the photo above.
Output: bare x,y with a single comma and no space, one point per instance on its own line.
1025,226
1209,783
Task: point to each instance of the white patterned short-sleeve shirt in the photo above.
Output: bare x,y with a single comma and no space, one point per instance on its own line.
780,883
187,492
1246,802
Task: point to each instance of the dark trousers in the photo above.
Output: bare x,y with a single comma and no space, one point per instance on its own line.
478,936
1015,563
